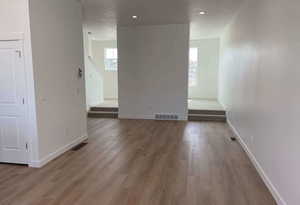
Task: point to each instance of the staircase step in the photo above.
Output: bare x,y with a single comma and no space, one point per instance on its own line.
207,112
105,109
102,114
203,117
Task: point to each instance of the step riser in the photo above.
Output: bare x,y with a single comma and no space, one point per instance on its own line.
207,118
103,115
203,112
105,109
207,112
190,118
216,116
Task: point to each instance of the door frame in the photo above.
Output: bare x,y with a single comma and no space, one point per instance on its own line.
18,46
30,131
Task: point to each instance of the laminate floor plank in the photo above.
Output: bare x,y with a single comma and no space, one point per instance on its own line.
142,162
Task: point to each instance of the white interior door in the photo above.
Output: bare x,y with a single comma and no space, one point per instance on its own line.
13,146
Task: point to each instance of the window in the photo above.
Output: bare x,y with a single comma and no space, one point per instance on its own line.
111,59
193,65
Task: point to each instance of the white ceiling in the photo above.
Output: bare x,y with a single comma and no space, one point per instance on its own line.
102,16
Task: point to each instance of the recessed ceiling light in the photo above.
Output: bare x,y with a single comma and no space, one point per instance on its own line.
202,12
134,17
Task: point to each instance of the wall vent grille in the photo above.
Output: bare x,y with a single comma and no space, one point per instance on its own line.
161,116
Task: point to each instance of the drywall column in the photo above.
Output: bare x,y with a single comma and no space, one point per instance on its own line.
153,70
57,52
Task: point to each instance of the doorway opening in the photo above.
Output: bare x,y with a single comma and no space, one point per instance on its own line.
101,77
203,81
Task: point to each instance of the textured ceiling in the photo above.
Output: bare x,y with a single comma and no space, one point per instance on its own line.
102,16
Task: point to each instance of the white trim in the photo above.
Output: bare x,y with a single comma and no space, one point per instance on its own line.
11,36
32,130
57,153
278,198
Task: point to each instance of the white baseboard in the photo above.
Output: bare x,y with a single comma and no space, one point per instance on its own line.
278,198
57,153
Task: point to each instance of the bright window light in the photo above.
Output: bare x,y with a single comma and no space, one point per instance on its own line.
111,59
193,66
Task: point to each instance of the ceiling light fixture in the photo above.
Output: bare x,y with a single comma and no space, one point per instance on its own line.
134,17
202,12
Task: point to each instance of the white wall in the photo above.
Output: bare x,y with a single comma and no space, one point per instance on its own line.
13,15
14,22
110,78
259,86
153,70
93,76
57,46
208,67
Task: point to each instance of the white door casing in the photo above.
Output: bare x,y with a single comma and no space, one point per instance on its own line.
13,145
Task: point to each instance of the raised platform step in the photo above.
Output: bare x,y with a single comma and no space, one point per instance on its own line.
105,109
193,115
207,112
102,114
207,115
202,117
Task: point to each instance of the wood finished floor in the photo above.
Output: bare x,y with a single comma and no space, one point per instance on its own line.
142,162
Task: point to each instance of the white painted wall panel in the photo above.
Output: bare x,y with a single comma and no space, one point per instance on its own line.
110,78
153,70
208,67
57,47
259,86
93,76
